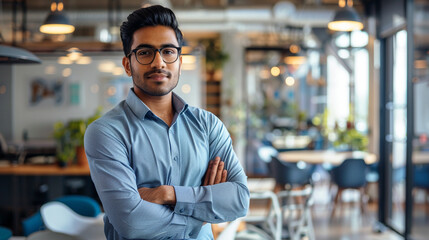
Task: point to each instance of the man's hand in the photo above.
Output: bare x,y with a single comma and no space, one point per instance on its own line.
163,195
215,173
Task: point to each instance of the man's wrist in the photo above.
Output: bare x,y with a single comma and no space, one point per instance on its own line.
169,195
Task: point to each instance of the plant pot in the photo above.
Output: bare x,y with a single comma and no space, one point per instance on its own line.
62,164
81,159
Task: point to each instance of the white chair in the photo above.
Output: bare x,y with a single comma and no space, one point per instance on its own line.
59,218
296,212
271,222
49,235
230,230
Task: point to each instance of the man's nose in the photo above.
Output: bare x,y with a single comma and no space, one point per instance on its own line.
157,61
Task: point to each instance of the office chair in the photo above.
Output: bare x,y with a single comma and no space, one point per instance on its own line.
82,205
263,226
296,212
230,230
60,218
350,174
290,175
5,233
421,182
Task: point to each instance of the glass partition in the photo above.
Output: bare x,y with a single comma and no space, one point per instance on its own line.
420,215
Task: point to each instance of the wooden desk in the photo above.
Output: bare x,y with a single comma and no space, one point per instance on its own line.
336,158
325,156
18,190
43,170
421,157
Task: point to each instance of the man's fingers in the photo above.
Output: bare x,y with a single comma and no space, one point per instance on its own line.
224,175
219,173
213,171
207,176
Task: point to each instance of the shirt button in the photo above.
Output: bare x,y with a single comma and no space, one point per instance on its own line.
191,233
175,158
216,217
181,210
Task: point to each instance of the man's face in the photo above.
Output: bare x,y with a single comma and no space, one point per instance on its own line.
158,78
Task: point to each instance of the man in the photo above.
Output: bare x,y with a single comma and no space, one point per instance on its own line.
150,155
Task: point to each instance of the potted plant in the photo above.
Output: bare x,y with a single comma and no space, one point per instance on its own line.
350,139
215,57
69,138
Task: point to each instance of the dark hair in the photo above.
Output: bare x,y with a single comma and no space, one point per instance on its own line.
149,16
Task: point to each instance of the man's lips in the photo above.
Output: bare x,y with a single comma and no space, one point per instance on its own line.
158,74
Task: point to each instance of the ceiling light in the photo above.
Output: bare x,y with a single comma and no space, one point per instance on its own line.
346,19
295,59
294,55
57,22
275,71
84,60
11,55
74,55
289,81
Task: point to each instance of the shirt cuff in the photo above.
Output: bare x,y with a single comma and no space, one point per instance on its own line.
193,228
185,200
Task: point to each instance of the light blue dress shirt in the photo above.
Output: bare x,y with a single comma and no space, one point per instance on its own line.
130,147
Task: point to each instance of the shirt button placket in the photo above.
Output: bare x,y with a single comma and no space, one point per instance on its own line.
174,154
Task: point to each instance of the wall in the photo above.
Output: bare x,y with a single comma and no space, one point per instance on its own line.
232,94
5,100
38,118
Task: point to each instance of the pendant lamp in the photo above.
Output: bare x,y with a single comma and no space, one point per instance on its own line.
346,19
57,22
10,55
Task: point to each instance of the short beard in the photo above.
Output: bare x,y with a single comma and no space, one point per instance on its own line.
158,93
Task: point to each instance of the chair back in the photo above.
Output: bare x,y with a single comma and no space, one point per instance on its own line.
351,173
421,176
291,173
265,153
59,218
32,224
82,205
5,233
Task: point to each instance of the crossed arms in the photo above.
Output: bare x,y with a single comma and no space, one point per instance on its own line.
165,194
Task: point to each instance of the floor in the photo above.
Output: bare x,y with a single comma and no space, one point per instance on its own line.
347,224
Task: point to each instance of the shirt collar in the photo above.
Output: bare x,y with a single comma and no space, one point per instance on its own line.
140,109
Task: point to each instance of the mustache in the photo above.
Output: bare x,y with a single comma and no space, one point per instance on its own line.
162,71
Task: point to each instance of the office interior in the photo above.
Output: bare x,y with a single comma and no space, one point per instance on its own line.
287,88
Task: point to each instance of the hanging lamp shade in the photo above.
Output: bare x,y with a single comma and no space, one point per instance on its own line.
294,56
346,20
57,22
9,55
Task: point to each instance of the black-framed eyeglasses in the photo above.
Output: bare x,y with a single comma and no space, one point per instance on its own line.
146,55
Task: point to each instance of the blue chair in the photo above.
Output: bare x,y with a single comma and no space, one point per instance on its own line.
82,205
421,181
350,174
290,175
5,233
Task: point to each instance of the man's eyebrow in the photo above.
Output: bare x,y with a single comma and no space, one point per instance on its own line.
151,46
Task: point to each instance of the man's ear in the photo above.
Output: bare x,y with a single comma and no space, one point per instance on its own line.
127,65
